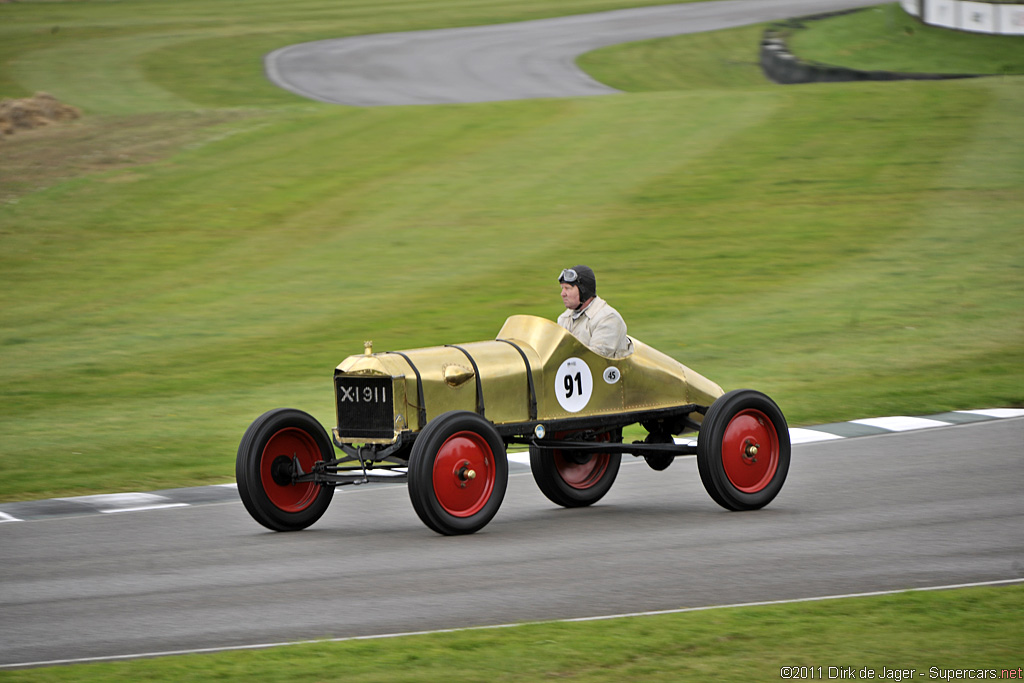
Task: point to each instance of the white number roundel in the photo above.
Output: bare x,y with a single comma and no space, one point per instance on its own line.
574,385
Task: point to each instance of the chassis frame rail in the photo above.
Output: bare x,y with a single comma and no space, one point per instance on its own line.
328,473
638,448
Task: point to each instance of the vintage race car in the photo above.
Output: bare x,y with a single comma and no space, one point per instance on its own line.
442,419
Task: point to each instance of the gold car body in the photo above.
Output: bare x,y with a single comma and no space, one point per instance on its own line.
494,378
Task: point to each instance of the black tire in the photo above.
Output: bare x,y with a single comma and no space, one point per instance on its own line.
263,469
458,473
574,479
743,450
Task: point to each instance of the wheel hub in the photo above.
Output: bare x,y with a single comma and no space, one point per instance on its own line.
281,470
750,452
465,474
577,457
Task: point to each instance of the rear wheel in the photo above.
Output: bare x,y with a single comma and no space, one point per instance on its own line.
274,443
574,478
458,473
743,450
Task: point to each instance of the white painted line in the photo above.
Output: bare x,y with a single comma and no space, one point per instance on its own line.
117,500
681,610
162,506
844,596
4,517
996,412
232,485
109,503
801,435
900,423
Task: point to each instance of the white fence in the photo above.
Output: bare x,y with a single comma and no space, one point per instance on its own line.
980,17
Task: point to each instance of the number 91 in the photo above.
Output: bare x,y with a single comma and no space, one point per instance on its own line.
567,381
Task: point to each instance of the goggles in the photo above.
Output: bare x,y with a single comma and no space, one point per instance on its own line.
568,275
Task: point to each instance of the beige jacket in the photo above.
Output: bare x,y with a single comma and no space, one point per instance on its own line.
600,327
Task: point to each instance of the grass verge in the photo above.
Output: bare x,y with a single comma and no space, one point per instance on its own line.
931,633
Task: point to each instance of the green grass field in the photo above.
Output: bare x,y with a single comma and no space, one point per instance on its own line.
201,247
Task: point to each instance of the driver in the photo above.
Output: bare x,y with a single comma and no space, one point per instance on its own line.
589,317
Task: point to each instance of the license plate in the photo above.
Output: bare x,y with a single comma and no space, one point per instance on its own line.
365,406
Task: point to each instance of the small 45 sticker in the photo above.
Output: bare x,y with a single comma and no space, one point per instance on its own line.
574,385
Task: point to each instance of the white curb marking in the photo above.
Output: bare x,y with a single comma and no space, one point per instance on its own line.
800,435
520,458
996,412
162,506
900,423
117,500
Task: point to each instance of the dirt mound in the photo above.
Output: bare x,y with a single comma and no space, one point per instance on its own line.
32,112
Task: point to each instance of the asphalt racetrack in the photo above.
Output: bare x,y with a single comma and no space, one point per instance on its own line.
936,507
531,59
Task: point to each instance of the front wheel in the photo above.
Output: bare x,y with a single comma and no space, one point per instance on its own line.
270,448
458,473
743,450
574,478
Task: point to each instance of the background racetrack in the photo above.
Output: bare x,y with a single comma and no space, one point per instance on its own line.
523,60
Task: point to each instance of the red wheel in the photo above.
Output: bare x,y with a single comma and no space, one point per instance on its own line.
267,455
581,473
458,473
575,478
283,449
743,450
750,451
464,474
